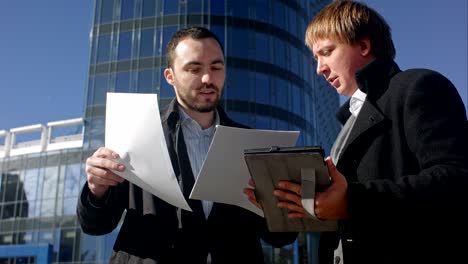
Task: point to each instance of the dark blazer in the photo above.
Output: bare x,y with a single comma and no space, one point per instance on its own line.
406,163
154,231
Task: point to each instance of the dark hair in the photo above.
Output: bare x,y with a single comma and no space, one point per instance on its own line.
349,22
191,32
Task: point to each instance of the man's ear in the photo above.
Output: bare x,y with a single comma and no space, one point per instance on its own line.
169,75
365,47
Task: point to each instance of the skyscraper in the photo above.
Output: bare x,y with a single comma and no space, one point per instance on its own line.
270,81
270,84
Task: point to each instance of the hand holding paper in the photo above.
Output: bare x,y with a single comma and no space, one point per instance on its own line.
134,130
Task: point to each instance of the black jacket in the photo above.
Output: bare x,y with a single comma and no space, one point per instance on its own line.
406,163
151,230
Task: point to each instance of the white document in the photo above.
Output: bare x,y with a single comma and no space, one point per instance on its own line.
134,131
224,174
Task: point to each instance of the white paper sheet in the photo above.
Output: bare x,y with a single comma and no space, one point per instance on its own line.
224,174
134,131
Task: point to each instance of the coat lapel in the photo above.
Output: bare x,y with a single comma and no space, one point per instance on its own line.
363,133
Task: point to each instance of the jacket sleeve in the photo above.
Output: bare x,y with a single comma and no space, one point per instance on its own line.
431,121
101,219
276,239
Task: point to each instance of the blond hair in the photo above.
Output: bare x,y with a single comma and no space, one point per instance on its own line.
349,22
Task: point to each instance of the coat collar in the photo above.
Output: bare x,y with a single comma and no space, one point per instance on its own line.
372,79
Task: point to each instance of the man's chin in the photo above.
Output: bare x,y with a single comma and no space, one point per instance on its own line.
204,108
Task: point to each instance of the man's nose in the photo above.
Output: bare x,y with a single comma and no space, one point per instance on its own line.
207,78
321,67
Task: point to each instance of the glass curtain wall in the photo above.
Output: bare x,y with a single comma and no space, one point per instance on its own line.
38,196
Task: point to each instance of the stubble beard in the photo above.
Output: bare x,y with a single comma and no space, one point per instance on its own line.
201,107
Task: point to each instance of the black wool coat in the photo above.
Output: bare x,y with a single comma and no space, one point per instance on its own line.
406,163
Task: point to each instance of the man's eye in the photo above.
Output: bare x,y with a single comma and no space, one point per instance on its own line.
194,70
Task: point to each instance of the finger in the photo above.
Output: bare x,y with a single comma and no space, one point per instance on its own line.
290,186
104,164
293,208
103,152
252,198
251,183
332,171
288,196
296,215
103,173
249,192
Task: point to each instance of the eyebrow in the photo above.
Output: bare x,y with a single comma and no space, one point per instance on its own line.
197,63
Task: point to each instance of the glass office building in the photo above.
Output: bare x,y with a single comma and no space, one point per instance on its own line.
270,84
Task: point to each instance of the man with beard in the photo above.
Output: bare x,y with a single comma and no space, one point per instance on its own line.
154,231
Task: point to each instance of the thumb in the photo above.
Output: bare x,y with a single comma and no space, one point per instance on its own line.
336,176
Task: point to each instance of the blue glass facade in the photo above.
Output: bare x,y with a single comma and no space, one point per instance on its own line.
270,81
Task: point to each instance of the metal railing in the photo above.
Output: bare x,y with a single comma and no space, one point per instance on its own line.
11,146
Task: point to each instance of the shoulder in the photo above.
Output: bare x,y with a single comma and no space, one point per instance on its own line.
420,82
416,77
225,120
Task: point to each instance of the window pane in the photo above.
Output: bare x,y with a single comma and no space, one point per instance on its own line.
279,51
103,52
100,89
279,14
217,7
48,208
69,206
194,6
262,47
262,88
296,100
127,9
50,182
72,180
107,9
146,43
282,93
67,237
149,7
125,46
122,84
236,84
171,7
145,81
262,11
262,122
219,32
238,8
238,48
167,34
31,183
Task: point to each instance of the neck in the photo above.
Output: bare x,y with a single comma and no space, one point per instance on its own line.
204,119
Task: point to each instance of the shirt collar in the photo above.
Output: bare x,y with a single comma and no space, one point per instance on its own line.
188,122
356,102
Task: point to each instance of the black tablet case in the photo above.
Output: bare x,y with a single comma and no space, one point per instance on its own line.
267,166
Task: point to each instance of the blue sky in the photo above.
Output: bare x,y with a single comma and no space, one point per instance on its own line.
44,52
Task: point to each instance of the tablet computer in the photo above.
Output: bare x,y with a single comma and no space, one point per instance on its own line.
303,165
